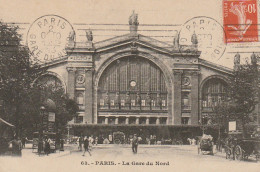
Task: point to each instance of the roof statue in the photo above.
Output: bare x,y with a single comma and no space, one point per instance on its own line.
237,59
133,19
72,36
89,35
194,39
253,58
175,39
133,23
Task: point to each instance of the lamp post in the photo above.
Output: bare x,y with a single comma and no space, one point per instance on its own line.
40,143
68,137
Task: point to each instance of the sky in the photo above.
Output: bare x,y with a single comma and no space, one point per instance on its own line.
159,19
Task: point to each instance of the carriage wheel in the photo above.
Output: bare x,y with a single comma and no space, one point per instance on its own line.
238,153
228,153
117,141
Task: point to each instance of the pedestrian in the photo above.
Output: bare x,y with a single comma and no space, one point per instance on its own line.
96,140
47,147
86,146
61,144
135,144
91,141
23,142
80,143
16,147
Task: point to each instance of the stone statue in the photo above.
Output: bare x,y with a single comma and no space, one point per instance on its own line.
89,35
72,36
133,19
253,59
237,59
194,39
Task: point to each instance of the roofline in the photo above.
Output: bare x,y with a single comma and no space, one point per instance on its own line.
216,66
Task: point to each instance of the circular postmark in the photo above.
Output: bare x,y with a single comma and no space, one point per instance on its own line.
48,36
204,34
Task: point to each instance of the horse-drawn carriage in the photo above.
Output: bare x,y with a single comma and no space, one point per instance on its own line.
239,148
118,137
205,144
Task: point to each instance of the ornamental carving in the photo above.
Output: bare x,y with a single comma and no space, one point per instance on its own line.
186,81
80,79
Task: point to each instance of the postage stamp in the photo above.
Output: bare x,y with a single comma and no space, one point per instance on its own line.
48,37
209,37
240,20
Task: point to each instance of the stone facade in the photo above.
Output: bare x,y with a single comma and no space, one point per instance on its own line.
185,75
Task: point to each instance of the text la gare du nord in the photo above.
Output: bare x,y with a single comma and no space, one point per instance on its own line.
134,163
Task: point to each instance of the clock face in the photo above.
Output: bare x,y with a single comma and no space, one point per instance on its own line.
132,83
48,37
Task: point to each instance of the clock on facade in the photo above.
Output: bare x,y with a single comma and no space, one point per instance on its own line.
132,83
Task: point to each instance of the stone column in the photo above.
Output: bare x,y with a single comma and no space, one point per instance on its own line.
106,120
157,120
194,97
137,120
167,121
116,120
177,74
147,120
127,120
88,95
71,82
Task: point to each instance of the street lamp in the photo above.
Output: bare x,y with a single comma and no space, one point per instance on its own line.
40,143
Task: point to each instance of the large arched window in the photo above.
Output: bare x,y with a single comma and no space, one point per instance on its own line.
213,92
132,83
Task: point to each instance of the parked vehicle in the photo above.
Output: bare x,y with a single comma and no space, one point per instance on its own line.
239,148
118,137
205,144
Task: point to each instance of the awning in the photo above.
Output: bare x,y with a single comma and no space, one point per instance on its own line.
5,122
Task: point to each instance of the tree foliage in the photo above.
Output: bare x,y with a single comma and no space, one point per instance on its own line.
65,108
243,92
22,97
17,72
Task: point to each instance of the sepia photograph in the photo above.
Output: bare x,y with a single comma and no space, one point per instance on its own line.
129,85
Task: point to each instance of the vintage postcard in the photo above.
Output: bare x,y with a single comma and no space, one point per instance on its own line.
129,85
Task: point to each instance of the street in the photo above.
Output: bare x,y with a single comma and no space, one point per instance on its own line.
120,157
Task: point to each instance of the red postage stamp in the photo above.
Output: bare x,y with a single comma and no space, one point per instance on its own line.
240,20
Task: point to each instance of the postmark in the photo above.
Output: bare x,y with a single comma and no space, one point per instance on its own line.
204,34
240,20
48,36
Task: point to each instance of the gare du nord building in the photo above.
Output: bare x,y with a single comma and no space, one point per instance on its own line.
135,84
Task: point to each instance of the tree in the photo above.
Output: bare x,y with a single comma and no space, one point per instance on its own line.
66,109
243,91
17,73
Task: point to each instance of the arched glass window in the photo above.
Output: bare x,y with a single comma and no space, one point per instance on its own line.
213,92
132,83
50,80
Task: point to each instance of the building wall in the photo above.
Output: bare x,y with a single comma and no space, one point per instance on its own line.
184,79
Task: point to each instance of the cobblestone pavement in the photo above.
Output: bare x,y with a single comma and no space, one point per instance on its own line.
120,158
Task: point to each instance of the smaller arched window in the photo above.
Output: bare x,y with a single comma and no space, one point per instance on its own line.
213,92
49,80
